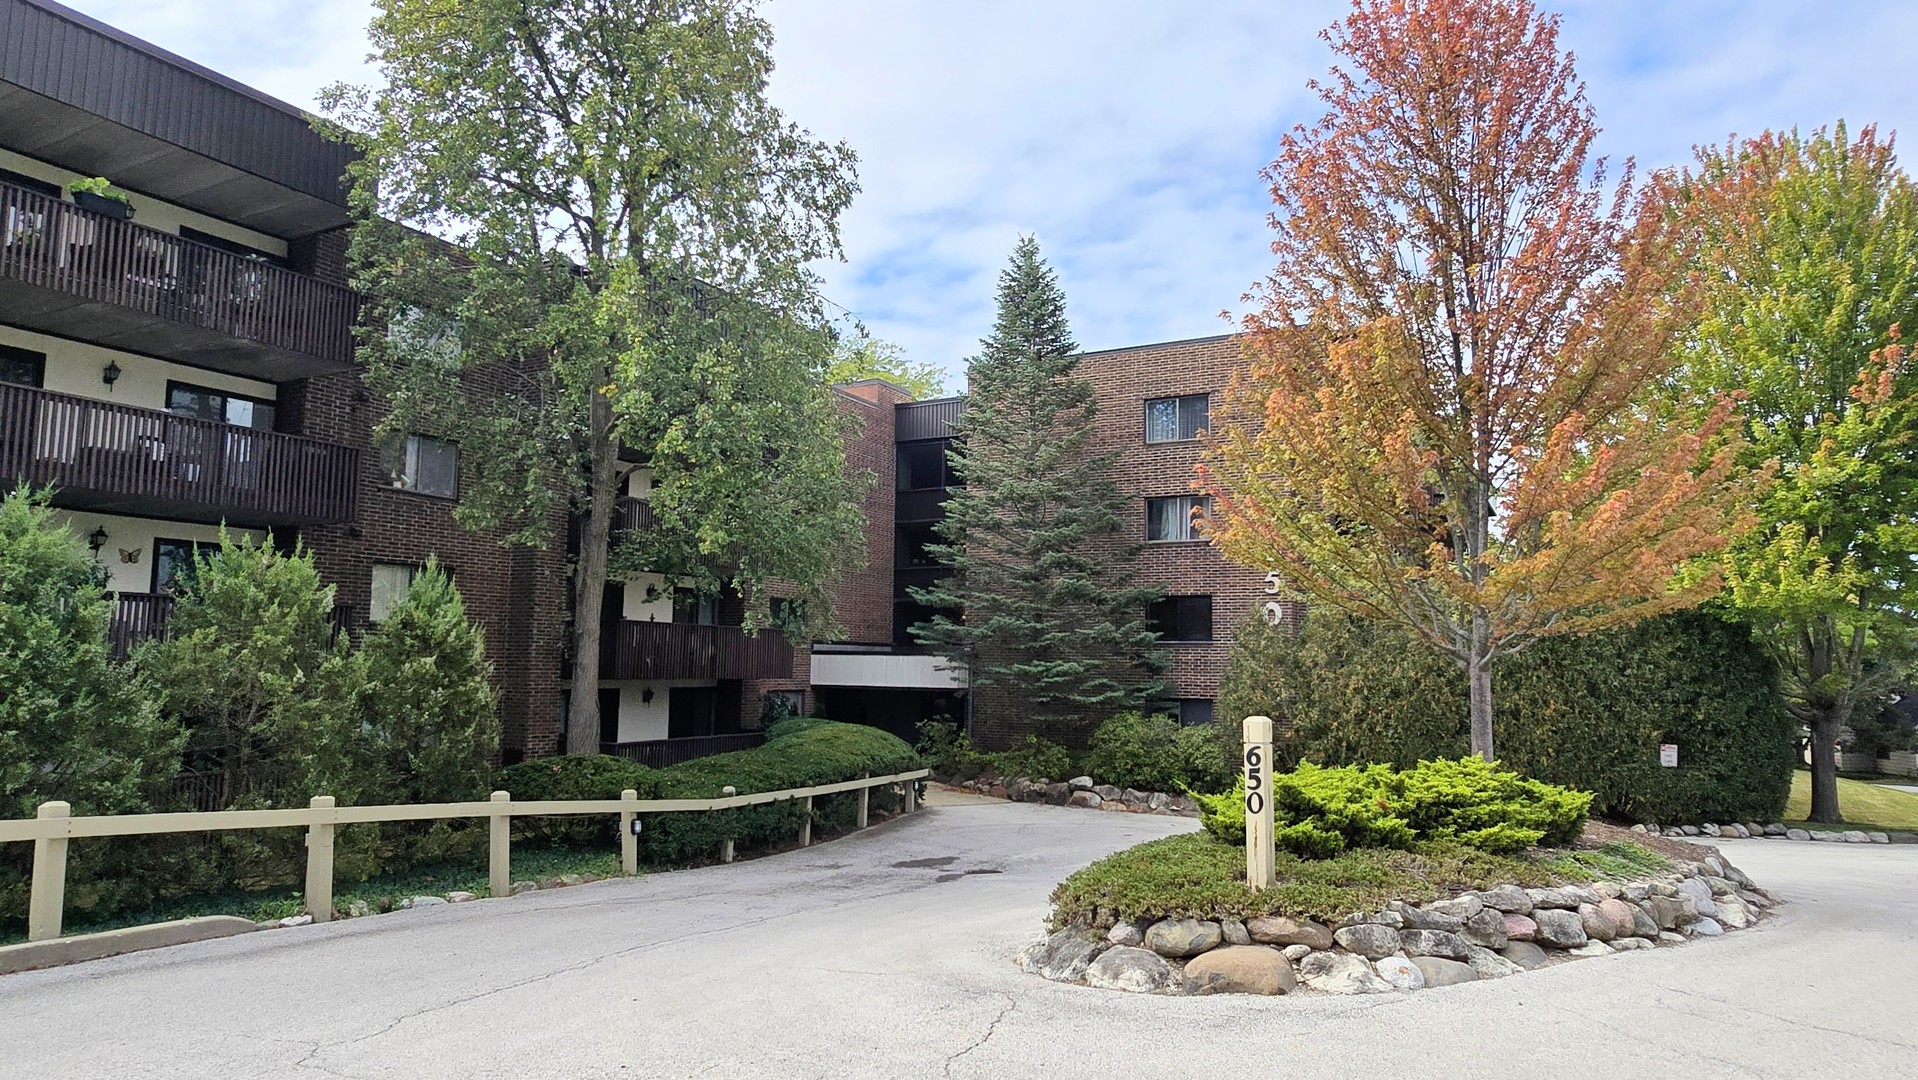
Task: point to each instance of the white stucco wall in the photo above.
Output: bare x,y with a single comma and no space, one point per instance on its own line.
643,721
886,670
137,535
74,367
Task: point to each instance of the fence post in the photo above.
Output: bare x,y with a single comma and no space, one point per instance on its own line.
499,846
47,901
865,802
628,839
805,827
912,796
726,845
319,862
1258,802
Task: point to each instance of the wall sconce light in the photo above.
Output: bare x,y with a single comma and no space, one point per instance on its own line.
110,374
646,696
97,539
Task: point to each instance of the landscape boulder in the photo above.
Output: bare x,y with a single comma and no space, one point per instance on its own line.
1138,971
1240,969
1439,971
1178,938
1063,957
1488,964
1559,928
1524,954
1400,972
1487,928
1519,927
1279,930
1507,898
1340,973
1418,943
1369,940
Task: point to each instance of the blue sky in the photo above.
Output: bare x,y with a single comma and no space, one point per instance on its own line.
1128,134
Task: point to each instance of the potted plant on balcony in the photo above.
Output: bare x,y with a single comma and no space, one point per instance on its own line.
101,197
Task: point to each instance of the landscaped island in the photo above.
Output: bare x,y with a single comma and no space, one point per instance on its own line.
1441,874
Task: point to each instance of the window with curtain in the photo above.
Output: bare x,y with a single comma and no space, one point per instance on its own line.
1176,419
424,464
1175,517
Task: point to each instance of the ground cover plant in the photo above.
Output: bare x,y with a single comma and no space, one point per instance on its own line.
1865,805
1197,875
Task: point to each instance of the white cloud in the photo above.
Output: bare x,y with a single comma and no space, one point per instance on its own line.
1128,134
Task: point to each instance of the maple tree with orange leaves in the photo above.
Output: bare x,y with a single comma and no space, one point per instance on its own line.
1447,419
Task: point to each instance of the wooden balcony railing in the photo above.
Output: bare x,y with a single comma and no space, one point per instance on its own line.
661,650
53,244
99,455
659,753
139,616
629,515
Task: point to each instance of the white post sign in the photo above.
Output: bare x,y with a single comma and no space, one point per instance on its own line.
1258,802
1668,755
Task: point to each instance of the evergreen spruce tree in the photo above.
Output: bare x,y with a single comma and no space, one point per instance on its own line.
1041,605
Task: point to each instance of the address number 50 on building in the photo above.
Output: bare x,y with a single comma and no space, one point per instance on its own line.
1274,612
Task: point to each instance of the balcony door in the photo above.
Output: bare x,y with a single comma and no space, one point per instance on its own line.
228,455
692,712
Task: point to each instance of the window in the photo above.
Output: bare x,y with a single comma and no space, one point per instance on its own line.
420,334
912,546
695,608
1176,419
923,467
231,247
1195,711
390,583
1177,517
23,366
420,463
219,406
174,560
1181,618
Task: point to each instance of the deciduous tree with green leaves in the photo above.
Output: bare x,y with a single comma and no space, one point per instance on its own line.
859,355
592,210
1041,603
1806,248
1449,418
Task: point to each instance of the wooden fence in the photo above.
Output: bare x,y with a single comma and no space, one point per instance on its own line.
55,827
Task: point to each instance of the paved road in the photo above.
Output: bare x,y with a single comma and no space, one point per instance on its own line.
889,955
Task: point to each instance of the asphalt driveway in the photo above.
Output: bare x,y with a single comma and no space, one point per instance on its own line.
888,954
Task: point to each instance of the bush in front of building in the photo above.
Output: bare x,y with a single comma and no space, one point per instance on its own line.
573,777
1155,753
1320,812
1587,712
799,756
73,725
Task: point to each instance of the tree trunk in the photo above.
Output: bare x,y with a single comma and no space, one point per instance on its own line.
1481,698
589,579
1824,769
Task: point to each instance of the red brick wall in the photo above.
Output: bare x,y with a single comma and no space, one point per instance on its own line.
862,594
518,594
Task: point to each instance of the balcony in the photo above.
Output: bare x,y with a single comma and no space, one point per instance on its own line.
119,459
629,516
139,616
77,274
660,650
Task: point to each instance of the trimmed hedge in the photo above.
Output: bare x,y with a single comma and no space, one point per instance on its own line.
569,778
1322,812
1585,712
797,754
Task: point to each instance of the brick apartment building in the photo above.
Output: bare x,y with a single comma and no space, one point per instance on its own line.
184,361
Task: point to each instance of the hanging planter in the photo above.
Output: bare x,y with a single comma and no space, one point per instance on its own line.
100,197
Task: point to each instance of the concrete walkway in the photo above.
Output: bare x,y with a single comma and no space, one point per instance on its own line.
888,954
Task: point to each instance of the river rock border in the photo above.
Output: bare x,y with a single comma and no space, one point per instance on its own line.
1777,830
1485,934
1083,792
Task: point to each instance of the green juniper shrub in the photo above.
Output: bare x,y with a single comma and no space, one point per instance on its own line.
1588,712
1034,759
1156,753
792,725
571,778
807,756
1196,875
73,725
1319,812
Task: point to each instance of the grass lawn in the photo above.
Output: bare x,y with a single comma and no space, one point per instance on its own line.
1194,875
1864,806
